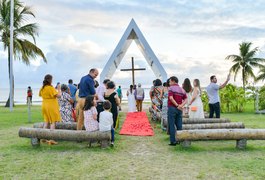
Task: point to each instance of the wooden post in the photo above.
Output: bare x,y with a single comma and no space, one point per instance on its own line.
133,72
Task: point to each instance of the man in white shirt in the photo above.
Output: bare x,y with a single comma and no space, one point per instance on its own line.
100,91
213,95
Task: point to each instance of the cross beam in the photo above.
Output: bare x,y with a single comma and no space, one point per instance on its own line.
133,69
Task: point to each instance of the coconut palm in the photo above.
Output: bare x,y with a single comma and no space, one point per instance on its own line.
24,50
261,75
245,62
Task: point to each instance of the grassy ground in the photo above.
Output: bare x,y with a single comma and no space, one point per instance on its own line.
131,158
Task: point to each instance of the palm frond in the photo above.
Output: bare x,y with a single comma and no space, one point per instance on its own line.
28,51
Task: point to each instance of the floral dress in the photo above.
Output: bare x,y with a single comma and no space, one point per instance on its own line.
66,107
164,110
90,123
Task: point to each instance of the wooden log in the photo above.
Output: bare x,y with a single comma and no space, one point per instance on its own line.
66,135
221,134
232,125
204,120
59,125
240,135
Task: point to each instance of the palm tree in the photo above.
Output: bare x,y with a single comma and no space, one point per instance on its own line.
245,62
261,75
24,50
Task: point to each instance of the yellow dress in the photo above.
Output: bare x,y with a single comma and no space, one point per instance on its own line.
50,105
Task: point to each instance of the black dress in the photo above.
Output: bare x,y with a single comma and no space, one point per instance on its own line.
114,108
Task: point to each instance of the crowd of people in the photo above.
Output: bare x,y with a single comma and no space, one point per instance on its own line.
170,102
96,106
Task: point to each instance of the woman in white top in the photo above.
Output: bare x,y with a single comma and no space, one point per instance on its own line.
131,100
196,105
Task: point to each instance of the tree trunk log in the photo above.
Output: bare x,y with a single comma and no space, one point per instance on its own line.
69,135
204,120
59,125
221,134
232,125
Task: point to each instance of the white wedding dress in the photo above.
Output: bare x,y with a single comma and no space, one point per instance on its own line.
199,113
131,101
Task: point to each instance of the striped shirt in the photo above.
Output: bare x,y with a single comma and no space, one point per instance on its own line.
177,93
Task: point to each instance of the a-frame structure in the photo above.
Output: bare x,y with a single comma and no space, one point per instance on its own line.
133,33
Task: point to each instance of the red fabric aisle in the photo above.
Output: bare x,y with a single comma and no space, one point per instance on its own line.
136,124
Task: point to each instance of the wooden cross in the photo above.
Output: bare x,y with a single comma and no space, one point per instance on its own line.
133,69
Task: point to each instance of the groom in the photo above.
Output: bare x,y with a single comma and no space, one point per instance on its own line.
139,97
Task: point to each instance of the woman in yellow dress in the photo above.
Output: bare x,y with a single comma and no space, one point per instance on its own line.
50,105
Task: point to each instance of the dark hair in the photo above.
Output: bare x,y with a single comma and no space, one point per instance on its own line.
64,87
47,81
106,81
166,84
197,81
119,86
154,81
212,77
174,78
96,83
158,82
187,85
107,105
110,85
70,81
131,88
29,87
89,102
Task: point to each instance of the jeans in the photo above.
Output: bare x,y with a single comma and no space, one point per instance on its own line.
174,119
214,108
112,134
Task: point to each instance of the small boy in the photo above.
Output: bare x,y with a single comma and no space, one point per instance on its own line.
106,120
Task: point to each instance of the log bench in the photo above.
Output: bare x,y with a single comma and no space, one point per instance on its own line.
240,135
66,135
232,125
204,120
59,125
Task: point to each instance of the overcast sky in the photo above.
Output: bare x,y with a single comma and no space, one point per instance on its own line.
191,38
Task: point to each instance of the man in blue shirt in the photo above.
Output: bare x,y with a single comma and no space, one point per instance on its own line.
73,90
86,87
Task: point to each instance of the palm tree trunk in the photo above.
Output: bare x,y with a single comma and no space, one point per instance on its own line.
8,100
243,78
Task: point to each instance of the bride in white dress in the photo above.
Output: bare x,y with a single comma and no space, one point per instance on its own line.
196,105
131,99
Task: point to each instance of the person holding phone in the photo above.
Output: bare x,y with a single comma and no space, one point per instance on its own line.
213,94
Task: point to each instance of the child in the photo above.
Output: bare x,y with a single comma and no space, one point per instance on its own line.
90,114
106,120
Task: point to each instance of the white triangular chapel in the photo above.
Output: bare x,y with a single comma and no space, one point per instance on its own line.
133,33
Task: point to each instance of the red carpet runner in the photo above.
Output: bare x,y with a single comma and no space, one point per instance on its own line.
136,124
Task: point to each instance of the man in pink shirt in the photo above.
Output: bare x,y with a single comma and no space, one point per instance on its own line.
177,98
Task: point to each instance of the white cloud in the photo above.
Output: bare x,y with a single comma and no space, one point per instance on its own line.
190,38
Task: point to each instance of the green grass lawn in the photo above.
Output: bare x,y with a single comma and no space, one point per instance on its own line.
131,158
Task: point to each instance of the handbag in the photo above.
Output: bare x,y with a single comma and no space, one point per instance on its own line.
193,108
